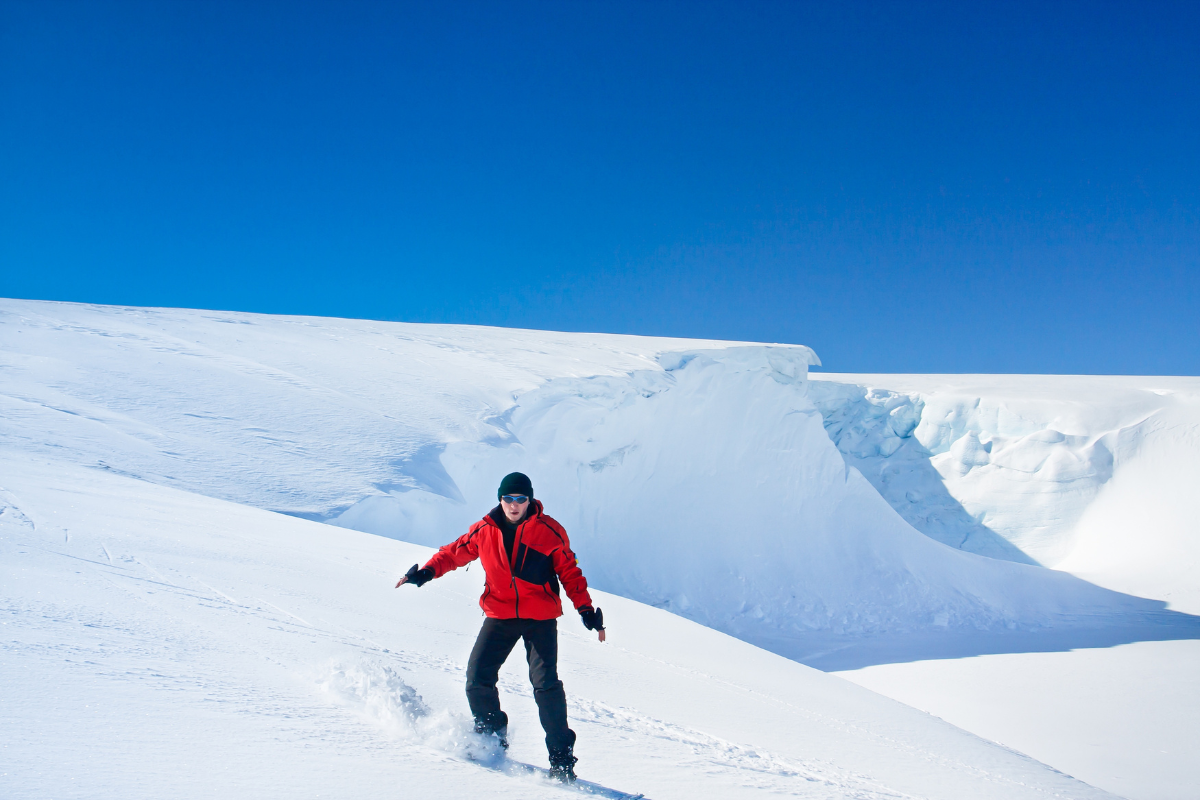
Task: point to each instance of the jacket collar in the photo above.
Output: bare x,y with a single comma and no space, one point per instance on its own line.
496,515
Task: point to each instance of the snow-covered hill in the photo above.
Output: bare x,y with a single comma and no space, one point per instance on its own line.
710,479
156,643
693,476
1087,474
1094,475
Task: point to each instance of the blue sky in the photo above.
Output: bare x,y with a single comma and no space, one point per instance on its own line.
905,187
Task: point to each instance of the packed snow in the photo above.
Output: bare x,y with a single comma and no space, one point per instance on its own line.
1092,475
157,643
714,480
1121,717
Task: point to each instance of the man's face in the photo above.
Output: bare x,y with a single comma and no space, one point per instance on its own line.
512,509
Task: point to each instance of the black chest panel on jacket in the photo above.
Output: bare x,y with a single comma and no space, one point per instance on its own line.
527,564
535,567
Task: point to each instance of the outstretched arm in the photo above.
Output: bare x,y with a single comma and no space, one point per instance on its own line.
460,552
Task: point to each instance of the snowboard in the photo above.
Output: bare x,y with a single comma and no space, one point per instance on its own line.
520,768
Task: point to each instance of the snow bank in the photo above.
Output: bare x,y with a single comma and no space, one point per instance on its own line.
1085,474
157,643
695,476
1121,718
1142,533
711,489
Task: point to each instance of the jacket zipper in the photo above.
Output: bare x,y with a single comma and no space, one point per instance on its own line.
512,570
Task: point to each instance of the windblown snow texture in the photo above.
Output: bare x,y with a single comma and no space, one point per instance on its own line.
164,634
156,643
1086,474
697,477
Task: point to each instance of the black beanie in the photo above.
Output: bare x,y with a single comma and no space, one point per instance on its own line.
515,483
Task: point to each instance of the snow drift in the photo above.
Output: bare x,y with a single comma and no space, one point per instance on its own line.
695,476
157,643
1086,474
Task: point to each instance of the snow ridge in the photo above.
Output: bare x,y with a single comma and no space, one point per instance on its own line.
1035,469
697,477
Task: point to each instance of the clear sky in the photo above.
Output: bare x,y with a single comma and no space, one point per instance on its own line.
903,186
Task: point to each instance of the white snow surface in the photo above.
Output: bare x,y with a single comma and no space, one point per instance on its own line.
157,643
1124,717
1094,475
148,582
694,476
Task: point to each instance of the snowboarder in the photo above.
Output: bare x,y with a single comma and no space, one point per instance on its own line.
525,555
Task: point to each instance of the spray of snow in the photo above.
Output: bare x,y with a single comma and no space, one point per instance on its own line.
378,693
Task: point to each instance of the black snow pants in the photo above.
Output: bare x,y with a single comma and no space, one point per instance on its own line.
496,640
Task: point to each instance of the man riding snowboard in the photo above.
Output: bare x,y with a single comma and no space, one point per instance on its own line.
525,556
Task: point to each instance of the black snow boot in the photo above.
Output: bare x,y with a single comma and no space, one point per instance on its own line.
494,725
562,765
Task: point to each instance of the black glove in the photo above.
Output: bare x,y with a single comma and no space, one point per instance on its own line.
419,577
593,618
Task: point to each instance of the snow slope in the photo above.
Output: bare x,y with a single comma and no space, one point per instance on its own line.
1087,474
1094,475
1123,718
711,479
695,476
157,643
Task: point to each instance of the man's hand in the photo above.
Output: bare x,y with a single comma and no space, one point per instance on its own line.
593,620
417,577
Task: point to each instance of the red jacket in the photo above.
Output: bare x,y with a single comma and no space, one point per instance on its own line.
526,588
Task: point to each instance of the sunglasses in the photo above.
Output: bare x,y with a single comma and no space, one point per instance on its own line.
515,498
